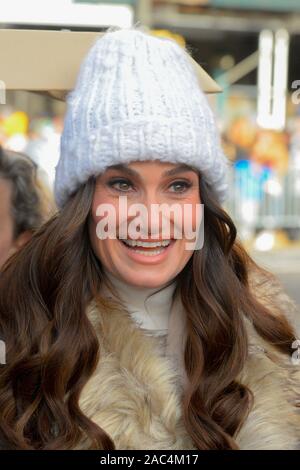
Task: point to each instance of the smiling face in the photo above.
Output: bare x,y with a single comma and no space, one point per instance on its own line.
159,252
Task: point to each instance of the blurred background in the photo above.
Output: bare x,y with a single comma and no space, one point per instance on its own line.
252,49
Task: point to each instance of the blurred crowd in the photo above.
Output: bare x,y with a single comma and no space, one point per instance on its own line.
276,151
265,190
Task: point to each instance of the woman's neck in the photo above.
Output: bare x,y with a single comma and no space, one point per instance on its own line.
149,306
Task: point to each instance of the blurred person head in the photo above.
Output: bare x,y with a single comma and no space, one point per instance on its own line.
25,201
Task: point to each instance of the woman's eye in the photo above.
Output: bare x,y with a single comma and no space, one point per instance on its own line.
180,186
120,184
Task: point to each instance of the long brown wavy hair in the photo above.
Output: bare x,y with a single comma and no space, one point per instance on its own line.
52,349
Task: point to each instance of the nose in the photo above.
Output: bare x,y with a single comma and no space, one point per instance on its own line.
156,220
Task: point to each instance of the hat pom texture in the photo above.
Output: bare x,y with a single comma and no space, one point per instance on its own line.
136,98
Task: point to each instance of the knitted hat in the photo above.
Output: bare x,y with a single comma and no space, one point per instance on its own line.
137,97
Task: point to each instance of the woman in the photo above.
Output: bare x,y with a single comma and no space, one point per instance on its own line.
25,202
140,342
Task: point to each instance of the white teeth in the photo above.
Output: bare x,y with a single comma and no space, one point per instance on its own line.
147,253
146,244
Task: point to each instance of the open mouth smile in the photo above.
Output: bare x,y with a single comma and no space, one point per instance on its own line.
153,250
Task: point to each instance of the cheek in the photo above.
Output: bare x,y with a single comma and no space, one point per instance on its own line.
103,248
196,209
190,215
103,215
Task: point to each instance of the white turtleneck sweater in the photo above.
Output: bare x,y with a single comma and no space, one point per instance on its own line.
157,311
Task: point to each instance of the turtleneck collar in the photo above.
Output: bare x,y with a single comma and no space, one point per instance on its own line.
158,311
150,307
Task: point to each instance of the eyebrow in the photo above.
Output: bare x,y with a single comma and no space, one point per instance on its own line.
174,171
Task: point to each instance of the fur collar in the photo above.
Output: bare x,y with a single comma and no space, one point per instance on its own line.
135,397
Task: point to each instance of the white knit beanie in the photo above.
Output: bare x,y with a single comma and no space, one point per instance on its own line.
137,97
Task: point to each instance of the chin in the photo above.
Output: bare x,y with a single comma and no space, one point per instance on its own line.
145,279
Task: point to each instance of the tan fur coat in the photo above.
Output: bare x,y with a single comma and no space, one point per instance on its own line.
135,397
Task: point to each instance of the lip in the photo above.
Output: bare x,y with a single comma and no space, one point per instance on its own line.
144,259
149,239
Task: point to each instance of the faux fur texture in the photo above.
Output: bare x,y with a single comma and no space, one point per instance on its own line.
134,394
